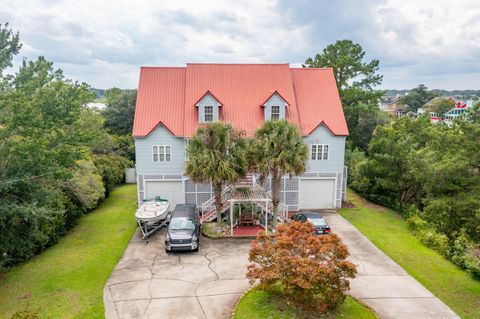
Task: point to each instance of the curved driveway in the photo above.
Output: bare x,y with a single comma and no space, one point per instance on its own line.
148,283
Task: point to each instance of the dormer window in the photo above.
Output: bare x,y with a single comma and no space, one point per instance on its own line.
274,107
208,108
275,112
208,115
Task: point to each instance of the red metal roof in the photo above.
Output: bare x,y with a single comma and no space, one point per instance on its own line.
168,96
318,100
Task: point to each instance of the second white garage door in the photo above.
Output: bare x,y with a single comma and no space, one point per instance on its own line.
316,194
171,190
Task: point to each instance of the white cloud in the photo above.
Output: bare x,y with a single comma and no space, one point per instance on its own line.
105,42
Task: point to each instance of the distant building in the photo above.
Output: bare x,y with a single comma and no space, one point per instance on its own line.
392,105
460,108
96,106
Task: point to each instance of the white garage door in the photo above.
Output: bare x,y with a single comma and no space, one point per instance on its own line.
316,194
171,190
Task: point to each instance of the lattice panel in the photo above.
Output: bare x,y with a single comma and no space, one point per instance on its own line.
291,184
203,197
153,176
189,186
162,177
291,198
190,198
203,188
172,176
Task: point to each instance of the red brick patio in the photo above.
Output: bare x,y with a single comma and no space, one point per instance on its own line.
247,230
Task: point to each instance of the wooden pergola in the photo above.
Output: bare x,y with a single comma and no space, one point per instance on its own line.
254,195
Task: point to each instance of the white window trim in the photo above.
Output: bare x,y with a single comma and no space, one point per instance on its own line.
322,152
271,112
164,147
205,113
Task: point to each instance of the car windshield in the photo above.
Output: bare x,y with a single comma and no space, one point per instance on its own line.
318,221
182,223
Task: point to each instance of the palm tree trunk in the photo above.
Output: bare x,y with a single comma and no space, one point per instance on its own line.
276,183
217,190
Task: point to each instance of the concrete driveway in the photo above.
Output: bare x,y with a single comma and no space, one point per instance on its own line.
381,283
148,283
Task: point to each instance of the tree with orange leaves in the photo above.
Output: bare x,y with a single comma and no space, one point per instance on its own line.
310,271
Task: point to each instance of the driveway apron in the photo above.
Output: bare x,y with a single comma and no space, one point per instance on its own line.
381,283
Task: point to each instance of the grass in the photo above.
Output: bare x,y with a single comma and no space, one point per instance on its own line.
210,229
389,232
67,279
262,305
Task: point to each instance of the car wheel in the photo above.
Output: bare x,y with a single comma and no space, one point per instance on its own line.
195,250
167,251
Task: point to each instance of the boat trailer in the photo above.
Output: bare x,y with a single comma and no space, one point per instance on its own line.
148,229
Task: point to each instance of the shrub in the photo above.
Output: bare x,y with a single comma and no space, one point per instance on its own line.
25,230
427,234
457,248
472,261
112,169
310,271
464,253
86,185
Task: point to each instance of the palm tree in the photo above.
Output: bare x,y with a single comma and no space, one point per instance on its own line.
277,149
216,155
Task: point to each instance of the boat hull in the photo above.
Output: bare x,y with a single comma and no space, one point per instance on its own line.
152,213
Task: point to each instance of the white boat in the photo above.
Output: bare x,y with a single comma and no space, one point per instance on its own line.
152,212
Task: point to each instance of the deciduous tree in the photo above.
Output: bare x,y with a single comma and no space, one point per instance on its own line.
309,270
120,110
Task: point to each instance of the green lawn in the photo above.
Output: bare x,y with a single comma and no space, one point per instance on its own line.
261,305
390,232
66,280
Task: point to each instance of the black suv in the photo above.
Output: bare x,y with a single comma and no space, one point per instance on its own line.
183,232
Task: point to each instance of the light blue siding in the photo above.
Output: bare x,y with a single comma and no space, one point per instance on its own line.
274,100
144,157
207,100
336,151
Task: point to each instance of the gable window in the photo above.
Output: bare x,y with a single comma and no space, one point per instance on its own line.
319,152
275,112
161,153
208,116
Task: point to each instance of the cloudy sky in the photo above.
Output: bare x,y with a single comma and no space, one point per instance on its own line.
103,43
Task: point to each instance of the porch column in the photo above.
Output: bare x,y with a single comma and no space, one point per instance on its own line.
266,217
231,218
240,213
